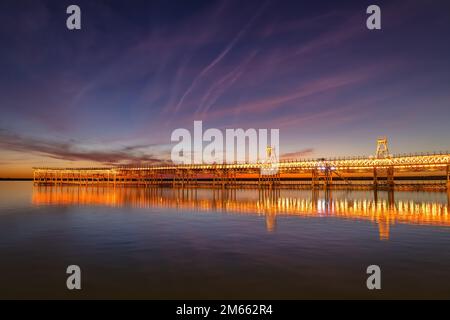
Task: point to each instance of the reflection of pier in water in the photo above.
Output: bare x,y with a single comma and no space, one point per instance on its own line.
379,207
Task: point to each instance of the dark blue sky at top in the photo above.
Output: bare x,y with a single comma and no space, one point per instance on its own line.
137,70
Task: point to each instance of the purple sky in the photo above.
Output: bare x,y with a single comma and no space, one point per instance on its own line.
115,90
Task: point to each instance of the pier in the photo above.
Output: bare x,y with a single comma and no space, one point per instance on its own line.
422,171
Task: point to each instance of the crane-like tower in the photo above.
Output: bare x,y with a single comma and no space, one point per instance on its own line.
382,148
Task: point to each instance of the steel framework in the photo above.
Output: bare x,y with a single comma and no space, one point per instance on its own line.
426,170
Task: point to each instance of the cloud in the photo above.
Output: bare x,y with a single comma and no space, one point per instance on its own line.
297,154
221,56
290,98
221,85
72,151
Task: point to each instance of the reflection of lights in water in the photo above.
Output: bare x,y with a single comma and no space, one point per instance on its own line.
269,204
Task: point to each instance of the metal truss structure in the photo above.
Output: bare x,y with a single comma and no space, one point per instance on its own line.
390,171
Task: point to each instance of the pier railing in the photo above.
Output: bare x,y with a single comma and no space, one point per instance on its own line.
431,169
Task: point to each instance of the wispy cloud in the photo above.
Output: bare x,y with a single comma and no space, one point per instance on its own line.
323,85
72,151
218,59
297,154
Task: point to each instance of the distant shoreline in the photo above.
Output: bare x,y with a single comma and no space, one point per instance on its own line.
16,179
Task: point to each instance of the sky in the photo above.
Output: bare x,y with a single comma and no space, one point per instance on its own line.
113,92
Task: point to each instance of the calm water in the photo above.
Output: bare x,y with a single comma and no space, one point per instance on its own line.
166,243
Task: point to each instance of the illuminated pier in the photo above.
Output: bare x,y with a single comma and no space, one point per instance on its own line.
421,171
427,170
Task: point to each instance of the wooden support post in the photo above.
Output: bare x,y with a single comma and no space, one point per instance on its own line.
448,179
390,177
314,178
375,178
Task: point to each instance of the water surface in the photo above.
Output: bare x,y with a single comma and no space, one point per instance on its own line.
203,243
